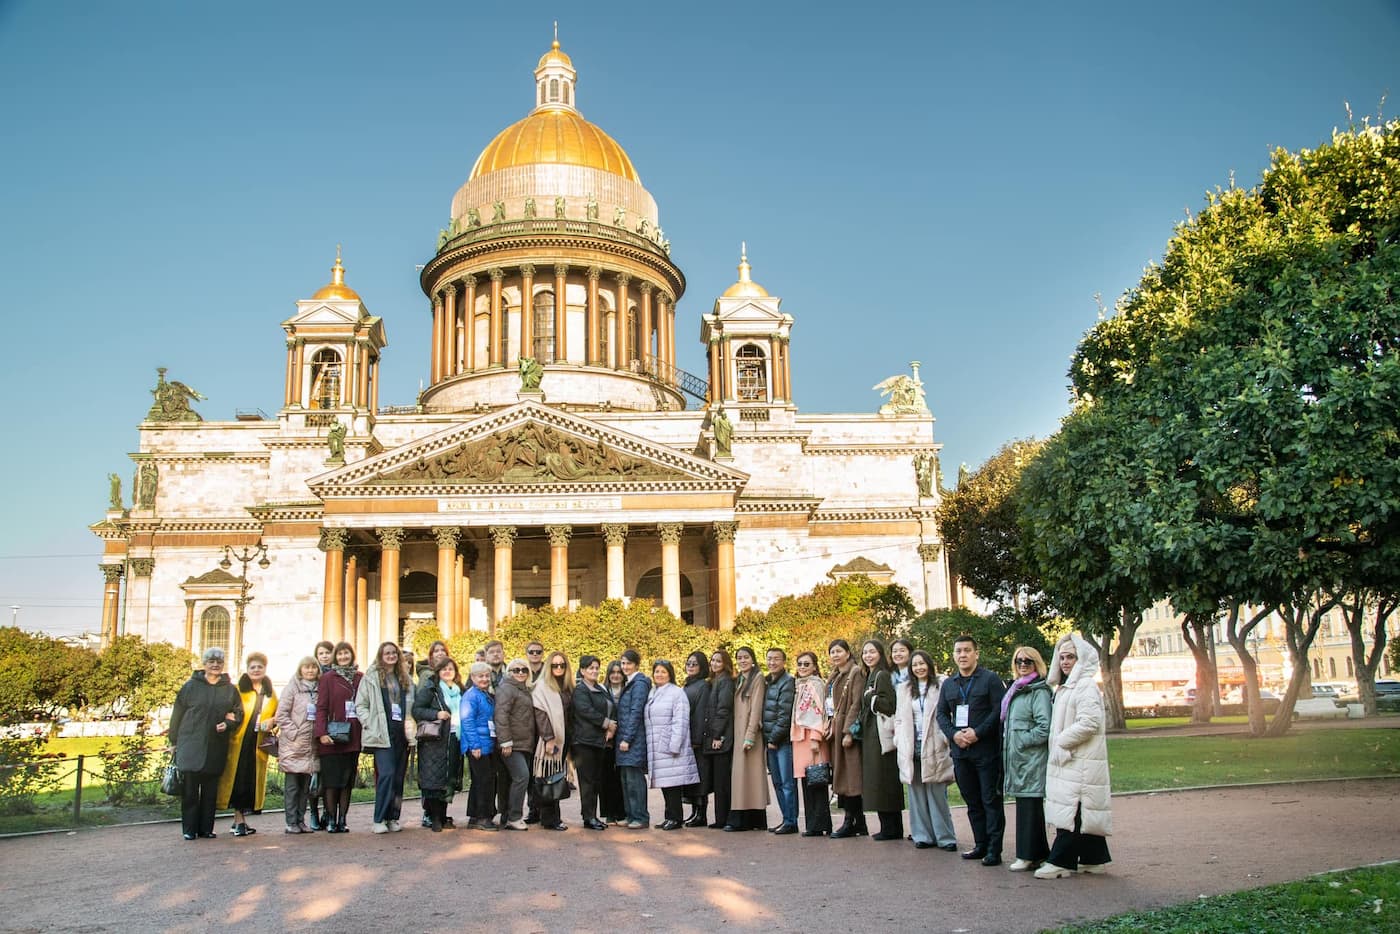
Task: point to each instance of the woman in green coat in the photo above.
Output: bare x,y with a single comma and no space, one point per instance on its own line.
883,791
1025,750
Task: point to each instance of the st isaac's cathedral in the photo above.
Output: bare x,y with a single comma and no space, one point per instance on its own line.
557,455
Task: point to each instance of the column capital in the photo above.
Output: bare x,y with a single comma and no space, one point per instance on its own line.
333,539
450,287
390,539
527,270
670,532
614,534
725,531
447,535
469,280
645,287
595,273
142,567
496,274
561,270
437,302
928,553
111,573
503,535
622,279
559,535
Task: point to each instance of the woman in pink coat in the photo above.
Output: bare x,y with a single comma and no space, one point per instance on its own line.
670,760
809,744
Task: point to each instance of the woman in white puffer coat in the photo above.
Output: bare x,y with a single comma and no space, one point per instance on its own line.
1077,794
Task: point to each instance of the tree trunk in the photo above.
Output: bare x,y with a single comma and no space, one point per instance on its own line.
1111,666
1365,666
1238,637
1196,630
1215,702
1301,624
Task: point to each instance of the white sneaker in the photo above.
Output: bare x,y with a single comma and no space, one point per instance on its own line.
394,826
1022,865
516,825
1051,871
1093,869
379,828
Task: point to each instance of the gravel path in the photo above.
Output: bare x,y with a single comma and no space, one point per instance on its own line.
1168,848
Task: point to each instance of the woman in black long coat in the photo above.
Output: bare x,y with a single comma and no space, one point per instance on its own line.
206,709
696,686
717,737
883,792
610,792
439,698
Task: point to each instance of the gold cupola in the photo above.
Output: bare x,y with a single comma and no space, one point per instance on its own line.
336,289
745,287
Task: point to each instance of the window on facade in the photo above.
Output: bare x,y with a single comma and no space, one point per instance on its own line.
505,332
604,332
1331,668
325,379
752,374
567,95
541,92
634,338
544,327
1317,669
553,89
213,629
1351,671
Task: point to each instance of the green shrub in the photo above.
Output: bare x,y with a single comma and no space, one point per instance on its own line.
25,771
131,771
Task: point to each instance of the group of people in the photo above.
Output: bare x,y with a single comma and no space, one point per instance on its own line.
881,729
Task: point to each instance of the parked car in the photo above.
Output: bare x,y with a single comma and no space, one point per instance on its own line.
1387,696
1324,690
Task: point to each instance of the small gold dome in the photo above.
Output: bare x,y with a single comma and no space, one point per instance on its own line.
555,136
337,290
554,55
745,287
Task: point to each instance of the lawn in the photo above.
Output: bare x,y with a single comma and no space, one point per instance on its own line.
1334,903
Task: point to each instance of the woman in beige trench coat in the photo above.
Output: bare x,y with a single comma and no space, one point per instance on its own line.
749,775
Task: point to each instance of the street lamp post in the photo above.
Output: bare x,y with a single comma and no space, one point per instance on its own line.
245,556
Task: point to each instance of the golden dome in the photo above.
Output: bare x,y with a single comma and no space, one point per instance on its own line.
554,55
337,290
554,136
745,287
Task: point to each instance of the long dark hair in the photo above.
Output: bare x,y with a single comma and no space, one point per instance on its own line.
883,664
726,664
747,681
616,666
904,642
704,665
932,678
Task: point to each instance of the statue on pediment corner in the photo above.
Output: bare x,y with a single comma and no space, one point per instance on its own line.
114,491
335,441
172,401
906,394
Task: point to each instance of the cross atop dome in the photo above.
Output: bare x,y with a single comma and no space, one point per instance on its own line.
555,78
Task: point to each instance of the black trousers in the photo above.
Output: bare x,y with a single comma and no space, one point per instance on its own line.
716,777
675,802
980,785
1030,830
481,796
197,802
588,765
853,807
1072,848
816,806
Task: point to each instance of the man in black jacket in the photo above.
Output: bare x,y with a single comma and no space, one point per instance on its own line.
969,714
777,733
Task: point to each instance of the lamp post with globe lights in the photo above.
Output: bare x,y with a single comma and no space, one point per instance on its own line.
244,556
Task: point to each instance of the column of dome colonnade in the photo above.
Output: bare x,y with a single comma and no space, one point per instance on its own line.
629,322
345,607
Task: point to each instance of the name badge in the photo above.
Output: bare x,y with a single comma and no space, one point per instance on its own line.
310,714
830,707
960,718
396,711
350,711
491,725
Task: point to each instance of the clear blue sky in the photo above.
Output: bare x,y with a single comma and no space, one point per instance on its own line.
951,183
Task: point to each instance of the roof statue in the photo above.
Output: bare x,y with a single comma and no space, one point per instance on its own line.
172,401
906,394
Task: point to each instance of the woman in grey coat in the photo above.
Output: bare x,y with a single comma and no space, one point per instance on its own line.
670,758
1025,752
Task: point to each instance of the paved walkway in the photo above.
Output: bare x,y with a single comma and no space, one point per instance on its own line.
1168,848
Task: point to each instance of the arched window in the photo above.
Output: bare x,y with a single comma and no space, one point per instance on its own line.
649,588
213,629
544,326
634,334
1331,668
541,92
553,89
752,373
604,331
1351,669
505,331
325,379
567,88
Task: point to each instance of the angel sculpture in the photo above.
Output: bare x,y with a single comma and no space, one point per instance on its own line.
172,401
906,394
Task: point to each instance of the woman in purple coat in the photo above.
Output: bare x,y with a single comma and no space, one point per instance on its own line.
670,759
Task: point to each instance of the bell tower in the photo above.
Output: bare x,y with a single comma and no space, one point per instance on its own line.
746,339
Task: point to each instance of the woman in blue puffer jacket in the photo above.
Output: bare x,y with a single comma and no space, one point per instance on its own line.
478,744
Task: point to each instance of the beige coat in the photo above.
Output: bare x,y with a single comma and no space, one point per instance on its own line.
296,746
846,690
936,765
1077,776
749,773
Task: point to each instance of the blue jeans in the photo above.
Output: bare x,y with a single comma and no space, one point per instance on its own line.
634,793
784,784
390,768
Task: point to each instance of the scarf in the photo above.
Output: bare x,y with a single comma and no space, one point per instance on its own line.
552,703
347,672
809,710
1011,692
452,699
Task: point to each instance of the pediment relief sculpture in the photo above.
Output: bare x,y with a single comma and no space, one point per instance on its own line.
529,452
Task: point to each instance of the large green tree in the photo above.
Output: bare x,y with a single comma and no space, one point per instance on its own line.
1257,370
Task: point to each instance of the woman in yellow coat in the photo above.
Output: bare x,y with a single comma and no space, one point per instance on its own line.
244,780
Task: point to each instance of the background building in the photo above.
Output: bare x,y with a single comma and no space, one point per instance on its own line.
556,454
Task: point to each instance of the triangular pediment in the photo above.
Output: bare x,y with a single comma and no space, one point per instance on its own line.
528,446
751,311
326,313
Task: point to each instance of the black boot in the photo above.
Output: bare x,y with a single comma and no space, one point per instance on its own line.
436,809
699,817
314,815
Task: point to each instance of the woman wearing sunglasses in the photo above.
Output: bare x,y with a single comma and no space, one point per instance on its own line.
1025,751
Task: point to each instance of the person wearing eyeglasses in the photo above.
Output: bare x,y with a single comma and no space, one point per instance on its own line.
697,684
382,703
534,654
809,744
1025,750
206,709
1077,792
515,738
552,696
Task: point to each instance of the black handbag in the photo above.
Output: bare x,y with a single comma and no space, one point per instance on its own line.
171,781
338,731
429,729
818,773
552,787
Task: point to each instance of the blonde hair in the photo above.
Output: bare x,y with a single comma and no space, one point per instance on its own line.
308,660
1028,652
563,684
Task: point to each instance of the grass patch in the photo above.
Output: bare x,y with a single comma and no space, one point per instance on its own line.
1156,723
1335,903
